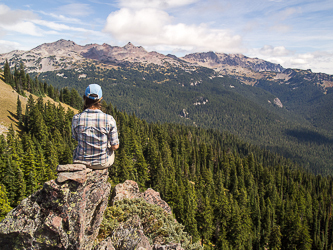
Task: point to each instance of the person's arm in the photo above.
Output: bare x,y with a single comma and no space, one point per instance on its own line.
113,136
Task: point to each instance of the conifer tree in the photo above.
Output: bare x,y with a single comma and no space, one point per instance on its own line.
19,111
29,162
29,109
8,181
51,161
7,74
22,75
19,184
4,204
190,202
205,221
37,126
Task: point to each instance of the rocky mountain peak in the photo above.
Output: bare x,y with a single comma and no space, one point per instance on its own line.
223,61
61,44
130,47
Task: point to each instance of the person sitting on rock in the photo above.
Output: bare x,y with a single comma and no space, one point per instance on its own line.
95,132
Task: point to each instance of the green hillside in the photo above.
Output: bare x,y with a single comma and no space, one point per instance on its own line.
228,194
8,104
299,130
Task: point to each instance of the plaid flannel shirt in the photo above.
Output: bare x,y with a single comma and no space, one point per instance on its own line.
95,132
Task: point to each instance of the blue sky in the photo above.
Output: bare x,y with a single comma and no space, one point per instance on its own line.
294,33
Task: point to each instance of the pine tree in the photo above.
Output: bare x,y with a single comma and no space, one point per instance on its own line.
22,75
51,161
19,111
7,74
4,204
37,126
19,184
205,221
29,163
8,181
190,202
29,109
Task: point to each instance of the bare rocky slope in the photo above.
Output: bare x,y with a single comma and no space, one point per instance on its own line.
66,54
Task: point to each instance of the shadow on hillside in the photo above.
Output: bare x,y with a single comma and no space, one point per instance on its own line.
13,117
304,135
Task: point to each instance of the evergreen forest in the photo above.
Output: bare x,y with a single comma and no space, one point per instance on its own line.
300,130
228,194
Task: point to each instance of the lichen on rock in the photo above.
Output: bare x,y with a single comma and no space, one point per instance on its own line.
61,215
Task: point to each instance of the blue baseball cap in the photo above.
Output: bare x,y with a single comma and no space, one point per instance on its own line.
93,89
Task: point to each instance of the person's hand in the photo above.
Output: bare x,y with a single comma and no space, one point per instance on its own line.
114,147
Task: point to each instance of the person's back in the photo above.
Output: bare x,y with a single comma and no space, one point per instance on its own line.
95,131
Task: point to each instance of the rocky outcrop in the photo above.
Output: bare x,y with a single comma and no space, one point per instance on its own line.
65,214
130,190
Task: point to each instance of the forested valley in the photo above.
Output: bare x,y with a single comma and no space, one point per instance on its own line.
227,193
300,130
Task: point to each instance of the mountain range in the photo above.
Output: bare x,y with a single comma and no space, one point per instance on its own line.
288,111
65,54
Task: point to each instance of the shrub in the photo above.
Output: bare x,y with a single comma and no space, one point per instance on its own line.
159,226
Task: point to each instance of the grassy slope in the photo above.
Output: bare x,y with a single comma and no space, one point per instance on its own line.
8,100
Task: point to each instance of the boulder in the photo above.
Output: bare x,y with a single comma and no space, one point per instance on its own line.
65,214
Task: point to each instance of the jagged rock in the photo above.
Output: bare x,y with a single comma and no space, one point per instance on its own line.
105,245
278,103
61,215
144,242
78,176
153,197
127,190
71,167
127,237
130,190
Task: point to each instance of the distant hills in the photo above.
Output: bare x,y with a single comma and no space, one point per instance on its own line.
288,111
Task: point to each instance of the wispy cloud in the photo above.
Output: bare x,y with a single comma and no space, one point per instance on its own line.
61,17
155,4
76,9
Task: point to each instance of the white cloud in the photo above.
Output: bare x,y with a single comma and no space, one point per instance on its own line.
10,17
18,21
153,27
126,23
7,46
269,50
318,61
157,4
27,28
